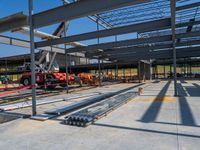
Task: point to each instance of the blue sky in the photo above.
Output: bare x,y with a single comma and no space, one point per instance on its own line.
8,7
13,6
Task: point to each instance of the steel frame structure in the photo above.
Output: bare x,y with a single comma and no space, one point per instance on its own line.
172,45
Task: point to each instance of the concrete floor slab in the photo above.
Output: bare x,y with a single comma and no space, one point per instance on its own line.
147,122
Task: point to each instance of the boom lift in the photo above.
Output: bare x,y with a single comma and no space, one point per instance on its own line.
48,73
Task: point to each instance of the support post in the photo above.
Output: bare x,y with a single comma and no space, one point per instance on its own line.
184,68
139,73
6,65
164,72
190,68
124,74
156,70
117,77
144,72
69,65
150,69
34,112
173,27
116,72
99,61
66,63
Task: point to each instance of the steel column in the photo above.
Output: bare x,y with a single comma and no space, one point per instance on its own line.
124,75
34,112
116,72
170,69
6,65
150,69
164,71
66,61
99,61
139,71
184,67
173,27
99,71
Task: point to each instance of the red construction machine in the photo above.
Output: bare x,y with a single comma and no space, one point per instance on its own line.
50,79
47,74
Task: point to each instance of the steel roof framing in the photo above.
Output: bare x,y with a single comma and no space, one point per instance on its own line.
132,42
143,27
165,54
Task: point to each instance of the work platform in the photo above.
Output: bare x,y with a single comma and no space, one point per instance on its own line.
154,120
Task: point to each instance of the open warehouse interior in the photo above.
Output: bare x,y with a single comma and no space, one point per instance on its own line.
104,70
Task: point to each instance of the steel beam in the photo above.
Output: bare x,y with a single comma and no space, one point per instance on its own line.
188,34
181,52
185,24
142,27
156,57
94,20
78,9
69,12
93,17
162,24
109,46
128,50
146,49
14,21
26,44
157,52
189,6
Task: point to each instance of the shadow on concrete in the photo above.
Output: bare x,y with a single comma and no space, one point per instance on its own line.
194,90
183,81
185,111
146,130
191,90
196,85
152,112
180,124
9,116
157,81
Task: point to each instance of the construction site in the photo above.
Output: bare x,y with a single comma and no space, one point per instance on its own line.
100,74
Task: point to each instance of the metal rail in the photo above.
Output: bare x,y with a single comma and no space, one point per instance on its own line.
88,116
87,102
